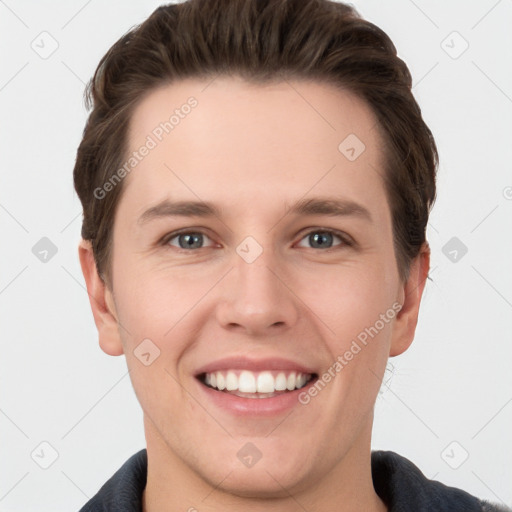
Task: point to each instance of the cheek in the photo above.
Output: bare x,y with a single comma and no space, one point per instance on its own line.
152,303
349,298
356,317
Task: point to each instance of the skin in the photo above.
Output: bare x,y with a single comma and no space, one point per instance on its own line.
254,150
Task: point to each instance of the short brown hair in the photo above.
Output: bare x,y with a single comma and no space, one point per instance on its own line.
261,41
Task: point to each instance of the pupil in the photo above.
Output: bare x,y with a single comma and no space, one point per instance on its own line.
191,240
317,238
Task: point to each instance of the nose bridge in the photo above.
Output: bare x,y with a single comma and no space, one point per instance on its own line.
256,298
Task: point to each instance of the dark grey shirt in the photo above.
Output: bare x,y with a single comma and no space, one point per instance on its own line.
398,482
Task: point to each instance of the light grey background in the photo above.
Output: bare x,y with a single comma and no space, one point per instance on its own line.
450,395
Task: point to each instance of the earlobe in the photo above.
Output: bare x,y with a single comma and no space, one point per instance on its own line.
412,291
101,300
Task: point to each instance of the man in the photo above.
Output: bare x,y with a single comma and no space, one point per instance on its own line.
256,179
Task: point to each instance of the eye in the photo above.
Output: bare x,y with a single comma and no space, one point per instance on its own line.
318,238
323,238
186,240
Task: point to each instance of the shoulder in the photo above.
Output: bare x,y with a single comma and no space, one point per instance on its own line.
402,486
494,507
123,490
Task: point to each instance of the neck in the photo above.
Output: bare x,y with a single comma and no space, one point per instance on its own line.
173,485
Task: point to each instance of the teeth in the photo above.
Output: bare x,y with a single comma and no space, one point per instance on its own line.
246,382
231,381
280,382
290,383
221,382
301,380
265,382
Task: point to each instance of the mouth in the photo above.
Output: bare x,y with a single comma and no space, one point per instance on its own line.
255,388
256,385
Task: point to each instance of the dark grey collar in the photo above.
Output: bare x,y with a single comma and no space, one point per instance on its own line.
398,482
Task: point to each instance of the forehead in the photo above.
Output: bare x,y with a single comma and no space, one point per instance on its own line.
228,139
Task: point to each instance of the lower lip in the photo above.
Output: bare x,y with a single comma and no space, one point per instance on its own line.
254,406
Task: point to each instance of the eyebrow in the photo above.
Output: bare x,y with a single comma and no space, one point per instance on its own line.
332,207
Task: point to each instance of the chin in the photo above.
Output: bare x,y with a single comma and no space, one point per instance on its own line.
252,483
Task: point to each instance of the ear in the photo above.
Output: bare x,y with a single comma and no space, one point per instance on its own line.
102,303
411,293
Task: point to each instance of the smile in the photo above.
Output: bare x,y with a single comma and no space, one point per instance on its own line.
237,384
249,384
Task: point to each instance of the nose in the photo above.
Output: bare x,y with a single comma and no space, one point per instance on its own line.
257,297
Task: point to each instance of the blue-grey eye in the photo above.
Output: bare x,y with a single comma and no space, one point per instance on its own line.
321,239
189,240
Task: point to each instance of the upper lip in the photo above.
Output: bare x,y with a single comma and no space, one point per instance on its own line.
243,362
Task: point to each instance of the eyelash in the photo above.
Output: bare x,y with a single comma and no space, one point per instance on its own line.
346,241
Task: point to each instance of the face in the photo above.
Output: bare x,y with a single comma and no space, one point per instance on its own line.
288,279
